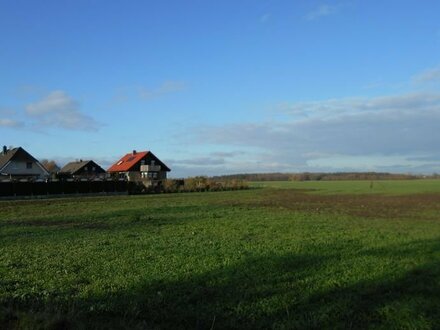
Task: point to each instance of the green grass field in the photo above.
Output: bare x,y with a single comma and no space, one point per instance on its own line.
339,256
386,187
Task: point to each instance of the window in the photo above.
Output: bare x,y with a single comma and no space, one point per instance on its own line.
120,162
93,169
29,165
150,175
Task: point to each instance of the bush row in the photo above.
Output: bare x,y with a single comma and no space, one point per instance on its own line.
202,183
17,188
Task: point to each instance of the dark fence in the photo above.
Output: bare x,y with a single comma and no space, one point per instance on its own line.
19,188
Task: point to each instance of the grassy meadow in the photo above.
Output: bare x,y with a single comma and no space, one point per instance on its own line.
289,255
384,187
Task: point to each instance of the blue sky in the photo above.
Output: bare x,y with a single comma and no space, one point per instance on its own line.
218,87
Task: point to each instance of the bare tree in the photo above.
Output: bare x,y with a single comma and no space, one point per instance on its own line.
50,165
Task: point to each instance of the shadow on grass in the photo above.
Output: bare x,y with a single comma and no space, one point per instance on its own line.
109,221
284,291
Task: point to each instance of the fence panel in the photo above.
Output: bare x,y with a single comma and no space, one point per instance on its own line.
6,189
18,188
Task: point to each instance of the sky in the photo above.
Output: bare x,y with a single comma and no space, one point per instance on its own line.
222,87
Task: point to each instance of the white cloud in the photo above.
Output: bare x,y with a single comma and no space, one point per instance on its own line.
5,122
146,93
199,161
322,11
6,111
228,154
429,75
58,109
337,107
351,130
213,163
167,87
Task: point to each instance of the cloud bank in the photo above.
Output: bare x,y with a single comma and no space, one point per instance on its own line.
429,75
60,110
167,87
322,11
330,133
6,122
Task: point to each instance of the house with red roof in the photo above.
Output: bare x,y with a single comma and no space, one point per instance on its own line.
141,166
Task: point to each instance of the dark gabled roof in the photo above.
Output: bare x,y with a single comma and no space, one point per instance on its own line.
15,154
130,160
74,167
5,158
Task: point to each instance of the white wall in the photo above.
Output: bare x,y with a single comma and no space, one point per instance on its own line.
19,168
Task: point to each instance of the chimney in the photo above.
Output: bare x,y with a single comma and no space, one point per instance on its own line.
5,150
134,152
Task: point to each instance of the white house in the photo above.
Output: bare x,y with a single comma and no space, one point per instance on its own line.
18,163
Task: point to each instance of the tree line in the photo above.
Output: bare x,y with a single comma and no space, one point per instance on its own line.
316,176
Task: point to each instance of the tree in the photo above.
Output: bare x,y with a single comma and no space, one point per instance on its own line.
50,165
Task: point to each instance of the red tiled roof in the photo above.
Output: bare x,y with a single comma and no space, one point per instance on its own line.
127,162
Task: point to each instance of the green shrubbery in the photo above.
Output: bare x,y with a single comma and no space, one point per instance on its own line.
194,184
202,183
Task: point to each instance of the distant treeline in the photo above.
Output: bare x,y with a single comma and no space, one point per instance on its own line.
321,176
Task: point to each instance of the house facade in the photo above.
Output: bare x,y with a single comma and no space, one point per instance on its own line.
82,169
141,166
18,163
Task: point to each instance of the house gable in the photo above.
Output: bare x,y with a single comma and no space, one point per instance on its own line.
132,162
19,162
87,167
